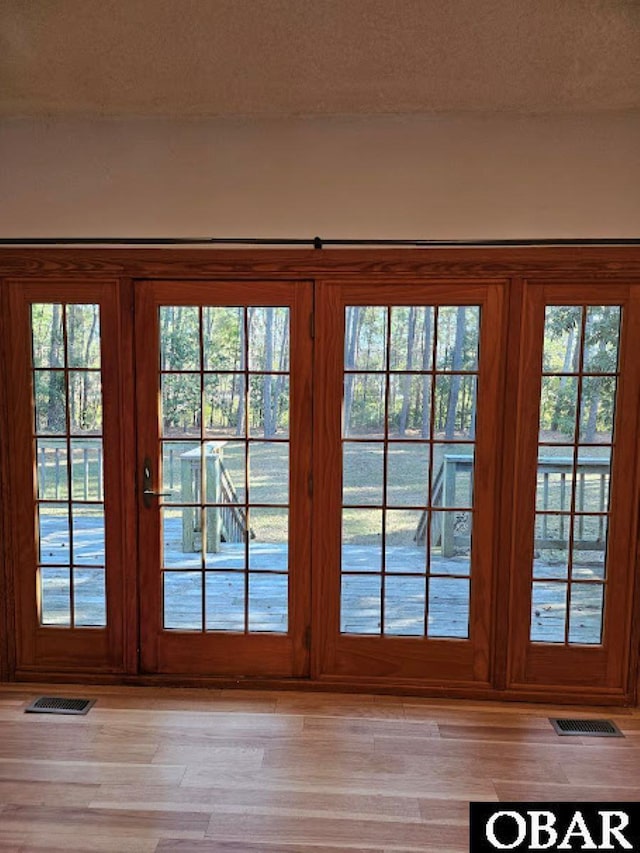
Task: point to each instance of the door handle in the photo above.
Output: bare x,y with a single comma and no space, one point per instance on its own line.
147,481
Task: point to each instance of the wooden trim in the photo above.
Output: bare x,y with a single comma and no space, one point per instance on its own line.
6,589
128,483
504,478
459,690
579,262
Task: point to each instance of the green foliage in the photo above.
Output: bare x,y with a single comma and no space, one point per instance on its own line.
587,340
407,332
66,336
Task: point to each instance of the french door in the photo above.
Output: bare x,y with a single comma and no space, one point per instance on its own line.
223,379
405,479
354,481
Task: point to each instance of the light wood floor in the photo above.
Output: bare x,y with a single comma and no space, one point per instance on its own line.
195,771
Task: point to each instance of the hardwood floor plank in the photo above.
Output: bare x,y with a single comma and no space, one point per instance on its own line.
607,765
348,833
217,756
32,842
521,760
47,793
498,733
434,810
260,801
333,705
494,713
333,726
202,729
314,779
169,846
68,750
430,759
88,772
118,823
539,792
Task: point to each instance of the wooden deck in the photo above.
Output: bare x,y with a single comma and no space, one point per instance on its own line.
404,602
216,771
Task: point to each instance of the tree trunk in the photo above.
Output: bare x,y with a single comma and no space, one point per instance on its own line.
240,428
85,376
353,322
426,381
269,420
55,402
472,423
592,419
406,379
279,381
569,357
450,423
590,426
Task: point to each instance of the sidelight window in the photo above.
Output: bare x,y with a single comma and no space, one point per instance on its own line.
575,448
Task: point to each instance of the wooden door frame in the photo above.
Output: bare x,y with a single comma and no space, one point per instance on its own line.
7,630
591,264
222,653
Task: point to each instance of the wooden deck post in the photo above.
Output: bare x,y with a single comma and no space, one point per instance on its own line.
448,520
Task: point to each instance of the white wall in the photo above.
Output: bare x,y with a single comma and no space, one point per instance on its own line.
406,176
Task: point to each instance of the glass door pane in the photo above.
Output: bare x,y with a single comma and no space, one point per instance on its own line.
68,441
225,415
410,378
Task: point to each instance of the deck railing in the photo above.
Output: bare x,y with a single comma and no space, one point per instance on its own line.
590,535
86,467
226,522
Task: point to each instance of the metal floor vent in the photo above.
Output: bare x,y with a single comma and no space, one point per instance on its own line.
59,705
593,728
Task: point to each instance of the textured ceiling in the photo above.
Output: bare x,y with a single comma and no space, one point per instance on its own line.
276,57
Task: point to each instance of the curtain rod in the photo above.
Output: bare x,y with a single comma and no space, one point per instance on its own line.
315,242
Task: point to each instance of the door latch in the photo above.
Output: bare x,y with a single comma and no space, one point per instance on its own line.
148,493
